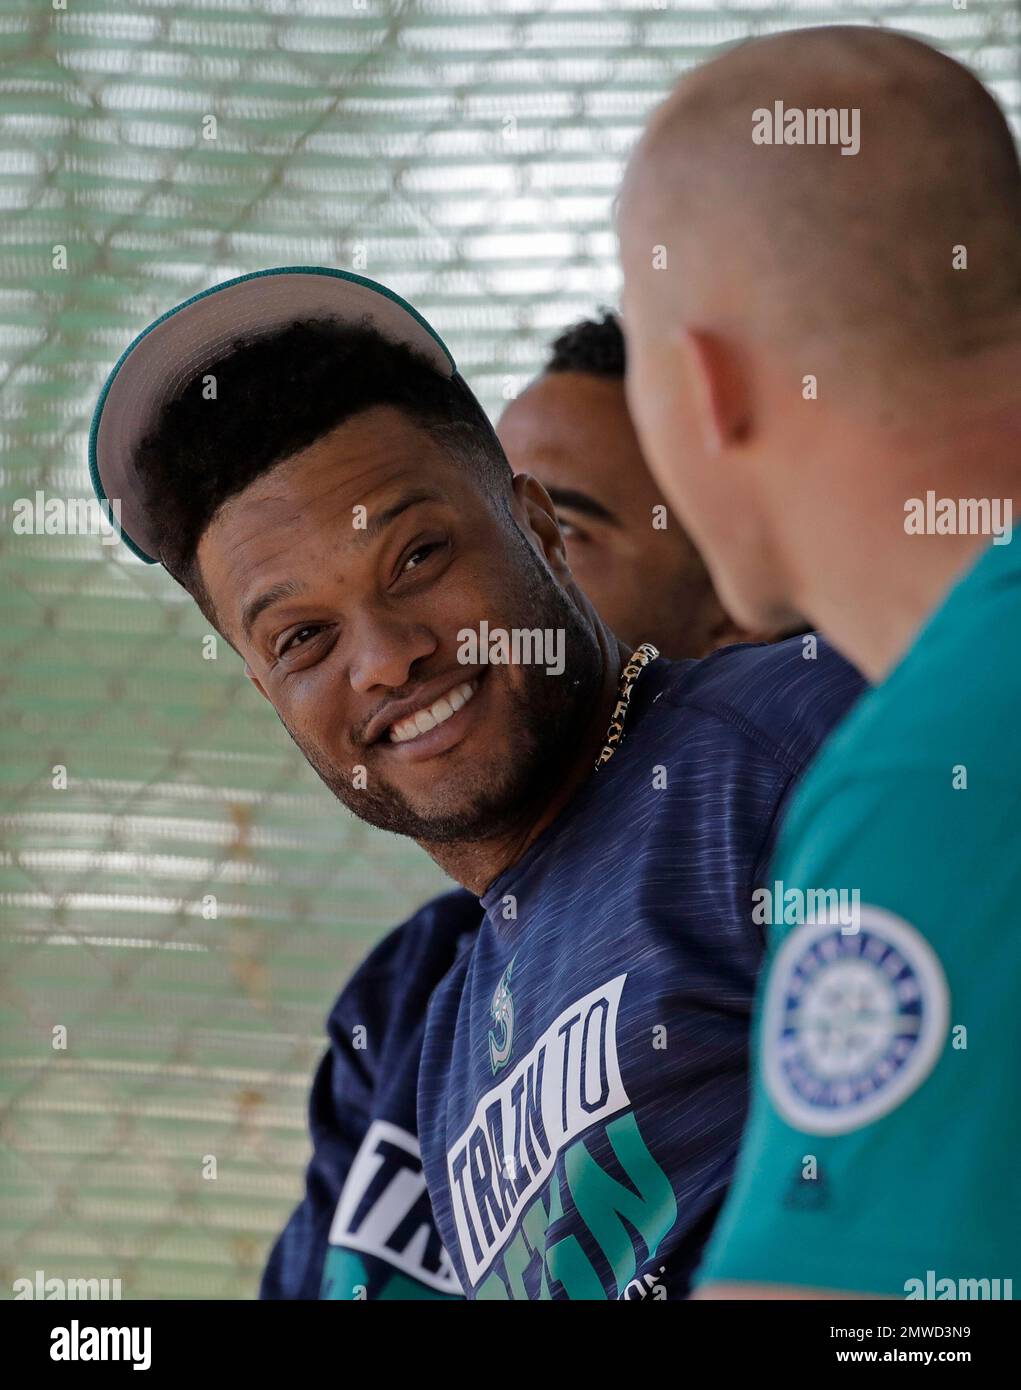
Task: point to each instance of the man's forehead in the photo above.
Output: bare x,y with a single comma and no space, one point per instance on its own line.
354,465
559,403
341,515
575,422
358,455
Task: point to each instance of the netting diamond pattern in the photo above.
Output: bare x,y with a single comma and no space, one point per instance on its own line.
465,152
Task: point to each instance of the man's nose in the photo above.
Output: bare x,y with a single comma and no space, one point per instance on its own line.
383,652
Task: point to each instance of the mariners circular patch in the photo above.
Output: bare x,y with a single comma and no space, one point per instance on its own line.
853,1023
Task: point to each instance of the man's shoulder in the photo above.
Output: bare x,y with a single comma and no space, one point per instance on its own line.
430,932
926,773
413,957
785,696
949,708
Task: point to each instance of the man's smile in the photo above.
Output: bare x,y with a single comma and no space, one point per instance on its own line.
429,722
438,712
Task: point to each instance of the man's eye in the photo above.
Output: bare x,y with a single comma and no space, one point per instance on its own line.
419,554
299,638
569,531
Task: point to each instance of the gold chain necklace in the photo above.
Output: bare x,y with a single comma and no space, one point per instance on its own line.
635,665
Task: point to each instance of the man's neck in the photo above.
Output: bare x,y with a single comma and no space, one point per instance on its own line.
479,864
870,583
875,625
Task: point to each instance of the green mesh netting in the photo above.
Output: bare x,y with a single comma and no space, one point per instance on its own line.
466,154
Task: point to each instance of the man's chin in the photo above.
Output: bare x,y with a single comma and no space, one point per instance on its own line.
451,815
444,802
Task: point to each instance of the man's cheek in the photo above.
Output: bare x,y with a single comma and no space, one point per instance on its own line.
314,723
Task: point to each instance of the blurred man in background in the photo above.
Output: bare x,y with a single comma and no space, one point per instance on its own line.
571,429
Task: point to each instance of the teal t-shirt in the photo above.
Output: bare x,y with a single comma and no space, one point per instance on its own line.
883,1148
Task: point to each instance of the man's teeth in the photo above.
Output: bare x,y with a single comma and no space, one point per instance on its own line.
437,713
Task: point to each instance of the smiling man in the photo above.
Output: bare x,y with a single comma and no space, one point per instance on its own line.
327,488
571,429
462,751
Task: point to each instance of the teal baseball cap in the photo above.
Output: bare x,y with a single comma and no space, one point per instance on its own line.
188,339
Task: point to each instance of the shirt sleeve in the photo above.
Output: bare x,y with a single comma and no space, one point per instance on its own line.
338,1121
356,1088
880,1154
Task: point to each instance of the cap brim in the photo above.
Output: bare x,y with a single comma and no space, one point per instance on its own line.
195,334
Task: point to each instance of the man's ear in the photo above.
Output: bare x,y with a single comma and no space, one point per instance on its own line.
256,682
533,505
719,390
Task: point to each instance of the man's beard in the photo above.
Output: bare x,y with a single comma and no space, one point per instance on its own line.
548,719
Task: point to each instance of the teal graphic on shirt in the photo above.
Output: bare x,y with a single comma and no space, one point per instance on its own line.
347,1275
384,1213
609,1209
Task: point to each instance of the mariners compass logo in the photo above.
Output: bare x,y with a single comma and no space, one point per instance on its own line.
852,1024
501,1010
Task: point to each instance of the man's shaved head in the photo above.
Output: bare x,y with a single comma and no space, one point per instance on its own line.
821,241
810,243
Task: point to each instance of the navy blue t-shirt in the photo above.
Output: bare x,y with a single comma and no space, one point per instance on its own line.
365,1227
583,1077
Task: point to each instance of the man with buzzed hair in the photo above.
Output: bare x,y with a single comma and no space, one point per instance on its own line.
841,333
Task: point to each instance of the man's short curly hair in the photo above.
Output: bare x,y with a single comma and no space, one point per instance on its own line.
594,346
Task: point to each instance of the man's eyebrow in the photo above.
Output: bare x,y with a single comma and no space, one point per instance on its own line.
574,501
287,588
383,519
